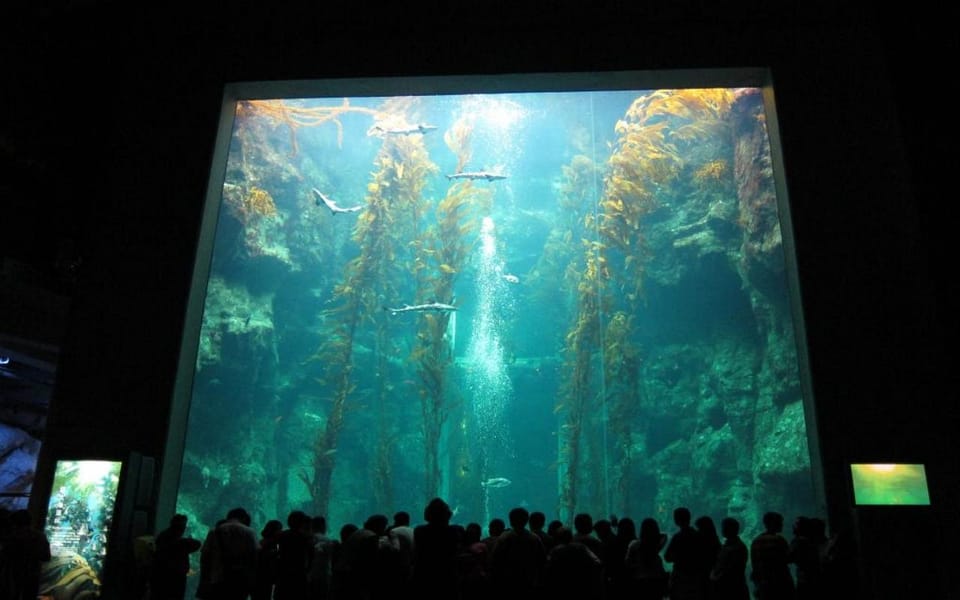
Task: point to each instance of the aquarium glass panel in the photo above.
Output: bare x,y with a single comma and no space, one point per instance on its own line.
79,519
571,300
890,484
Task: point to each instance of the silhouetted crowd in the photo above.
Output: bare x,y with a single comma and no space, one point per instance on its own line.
23,548
609,559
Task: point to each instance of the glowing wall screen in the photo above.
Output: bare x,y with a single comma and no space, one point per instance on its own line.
80,513
890,484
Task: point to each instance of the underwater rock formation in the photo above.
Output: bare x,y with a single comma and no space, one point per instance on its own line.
235,322
681,300
18,460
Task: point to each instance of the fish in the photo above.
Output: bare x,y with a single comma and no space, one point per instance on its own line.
511,278
474,175
420,128
495,482
333,206
430,306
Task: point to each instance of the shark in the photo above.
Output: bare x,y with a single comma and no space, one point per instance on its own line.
496,482
333,206
421,128
474,175
430,306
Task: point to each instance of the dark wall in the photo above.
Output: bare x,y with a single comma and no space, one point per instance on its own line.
110,117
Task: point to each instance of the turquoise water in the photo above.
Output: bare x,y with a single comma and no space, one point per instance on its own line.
622,340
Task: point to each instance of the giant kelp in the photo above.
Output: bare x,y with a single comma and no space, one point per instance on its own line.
294,116
583,274
457,139
664,138
446,248
559,265
382,231
405,170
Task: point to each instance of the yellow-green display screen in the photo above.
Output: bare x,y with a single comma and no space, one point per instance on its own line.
890,484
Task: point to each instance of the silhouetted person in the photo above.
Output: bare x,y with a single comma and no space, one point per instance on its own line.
401,520
207,587
340,567
518,556
710,544
615,557
266,576
435,547
684,552
728,579
644,566
603,529
583,533
401,533
472,563
840,570
552,528
171,560
321,565
495,529
381,560
769,554
537,522
294,557
806,546
21,552
228,557
572,570
360,558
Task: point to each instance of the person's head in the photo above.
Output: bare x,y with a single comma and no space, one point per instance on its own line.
650,532
496,526
681,516
437,512
603,528
730,527
563,535
472,533
519,517
271,529
554,526
801,526
583,524
818,529
537,520
626,528
319,524
773,522
346,531
377,524
239,514
299,520
178,523
706,526
401,519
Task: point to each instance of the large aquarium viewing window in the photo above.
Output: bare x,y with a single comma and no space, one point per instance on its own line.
572,293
